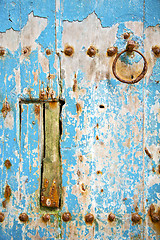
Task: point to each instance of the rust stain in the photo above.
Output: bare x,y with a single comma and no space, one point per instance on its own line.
79,108
78,173
52,200
4,204
2,217
42,95
53,105
51,76
68,51
66,216
153,169
124,199
136,218
75,86
35,75
111,217
46,217
159,168
37,109
46,182
101,190
89,218
99,172
83,188
52,95
80,158
29,93
91,51
5,109
7,192
7,164
23,217
97,138
148,153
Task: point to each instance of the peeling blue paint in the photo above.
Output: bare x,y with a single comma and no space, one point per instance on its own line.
104,166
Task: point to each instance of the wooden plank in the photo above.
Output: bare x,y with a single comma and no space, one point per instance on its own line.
30,161
51,180
102,141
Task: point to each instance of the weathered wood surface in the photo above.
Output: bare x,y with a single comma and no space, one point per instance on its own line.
51,174
109,145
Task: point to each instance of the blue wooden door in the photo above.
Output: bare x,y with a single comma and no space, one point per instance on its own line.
79,150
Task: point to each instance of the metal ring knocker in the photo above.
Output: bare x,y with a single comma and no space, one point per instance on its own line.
139,76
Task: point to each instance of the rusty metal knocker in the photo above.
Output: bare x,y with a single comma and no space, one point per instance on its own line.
139,76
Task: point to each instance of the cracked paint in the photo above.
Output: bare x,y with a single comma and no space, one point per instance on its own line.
106,125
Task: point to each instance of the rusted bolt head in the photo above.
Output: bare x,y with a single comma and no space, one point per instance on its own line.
156,51
91,51
2,52
136,218
68,51
89,218
48,51
130,45
155,217
7,164
46,217
23,217
111,217
151,209
66,216
126,35
112,51
26,51
1,217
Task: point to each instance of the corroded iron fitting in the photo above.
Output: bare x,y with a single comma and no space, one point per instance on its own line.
135,218
126,35
91,51
23,217
130,45
48,52
2,217
111,217
7,164
26,51
46,217
2,52
89,218
156,51
68,51
66,216
112,51
155,215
